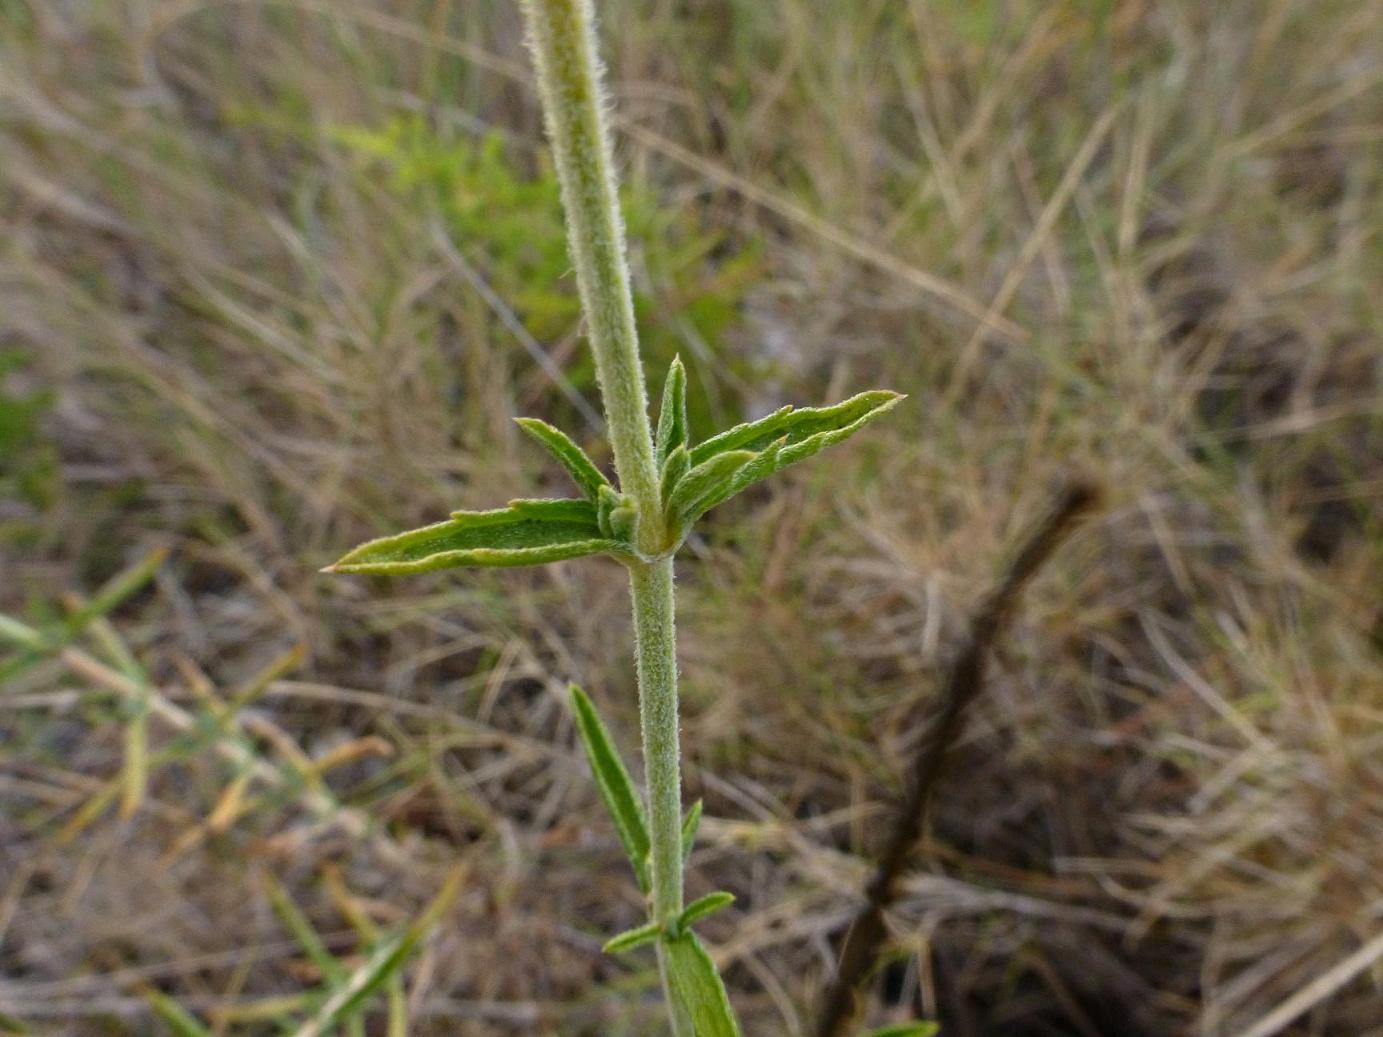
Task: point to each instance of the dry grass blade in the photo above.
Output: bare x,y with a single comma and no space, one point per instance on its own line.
1318,990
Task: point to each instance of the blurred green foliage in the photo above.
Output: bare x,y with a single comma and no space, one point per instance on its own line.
691,279
28,462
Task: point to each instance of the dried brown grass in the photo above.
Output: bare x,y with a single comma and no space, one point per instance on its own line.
1168,816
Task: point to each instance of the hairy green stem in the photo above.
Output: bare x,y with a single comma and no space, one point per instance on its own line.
654,628
562,36
651,591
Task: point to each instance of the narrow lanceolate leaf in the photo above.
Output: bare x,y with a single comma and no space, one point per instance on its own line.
690,824
798,424
570,456
614,784
631,938
701,908
788,436
906,1030
527,532
707,481
672,416
698,990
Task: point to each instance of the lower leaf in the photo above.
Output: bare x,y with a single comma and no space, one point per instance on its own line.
527,532
698,990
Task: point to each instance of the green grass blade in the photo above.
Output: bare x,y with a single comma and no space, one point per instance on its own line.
302,931
134,772
383,963
527,532
571,457
917,1029
117,589
22,635
698,990
175,1016
614,784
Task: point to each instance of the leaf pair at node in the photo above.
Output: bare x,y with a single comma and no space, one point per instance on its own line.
700,908
696,986
617,792
526,532
693,478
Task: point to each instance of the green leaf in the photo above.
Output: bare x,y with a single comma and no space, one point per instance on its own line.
631,938
571,457
697,988
527,532
616,514
786,437
917,1029
672,415
701,908
615,787
175,1016
799,424
673,468
690,824
708,481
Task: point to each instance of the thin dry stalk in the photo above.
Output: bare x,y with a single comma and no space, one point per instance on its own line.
964,681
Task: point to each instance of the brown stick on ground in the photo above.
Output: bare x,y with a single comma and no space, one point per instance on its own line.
964,681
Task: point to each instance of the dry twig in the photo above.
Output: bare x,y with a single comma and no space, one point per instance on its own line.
964,681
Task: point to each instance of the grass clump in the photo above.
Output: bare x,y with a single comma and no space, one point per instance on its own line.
260,349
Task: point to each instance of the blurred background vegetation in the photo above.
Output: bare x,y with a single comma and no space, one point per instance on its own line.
275,275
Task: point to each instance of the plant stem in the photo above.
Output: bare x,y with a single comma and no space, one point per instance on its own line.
654,628
652,594
562,36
